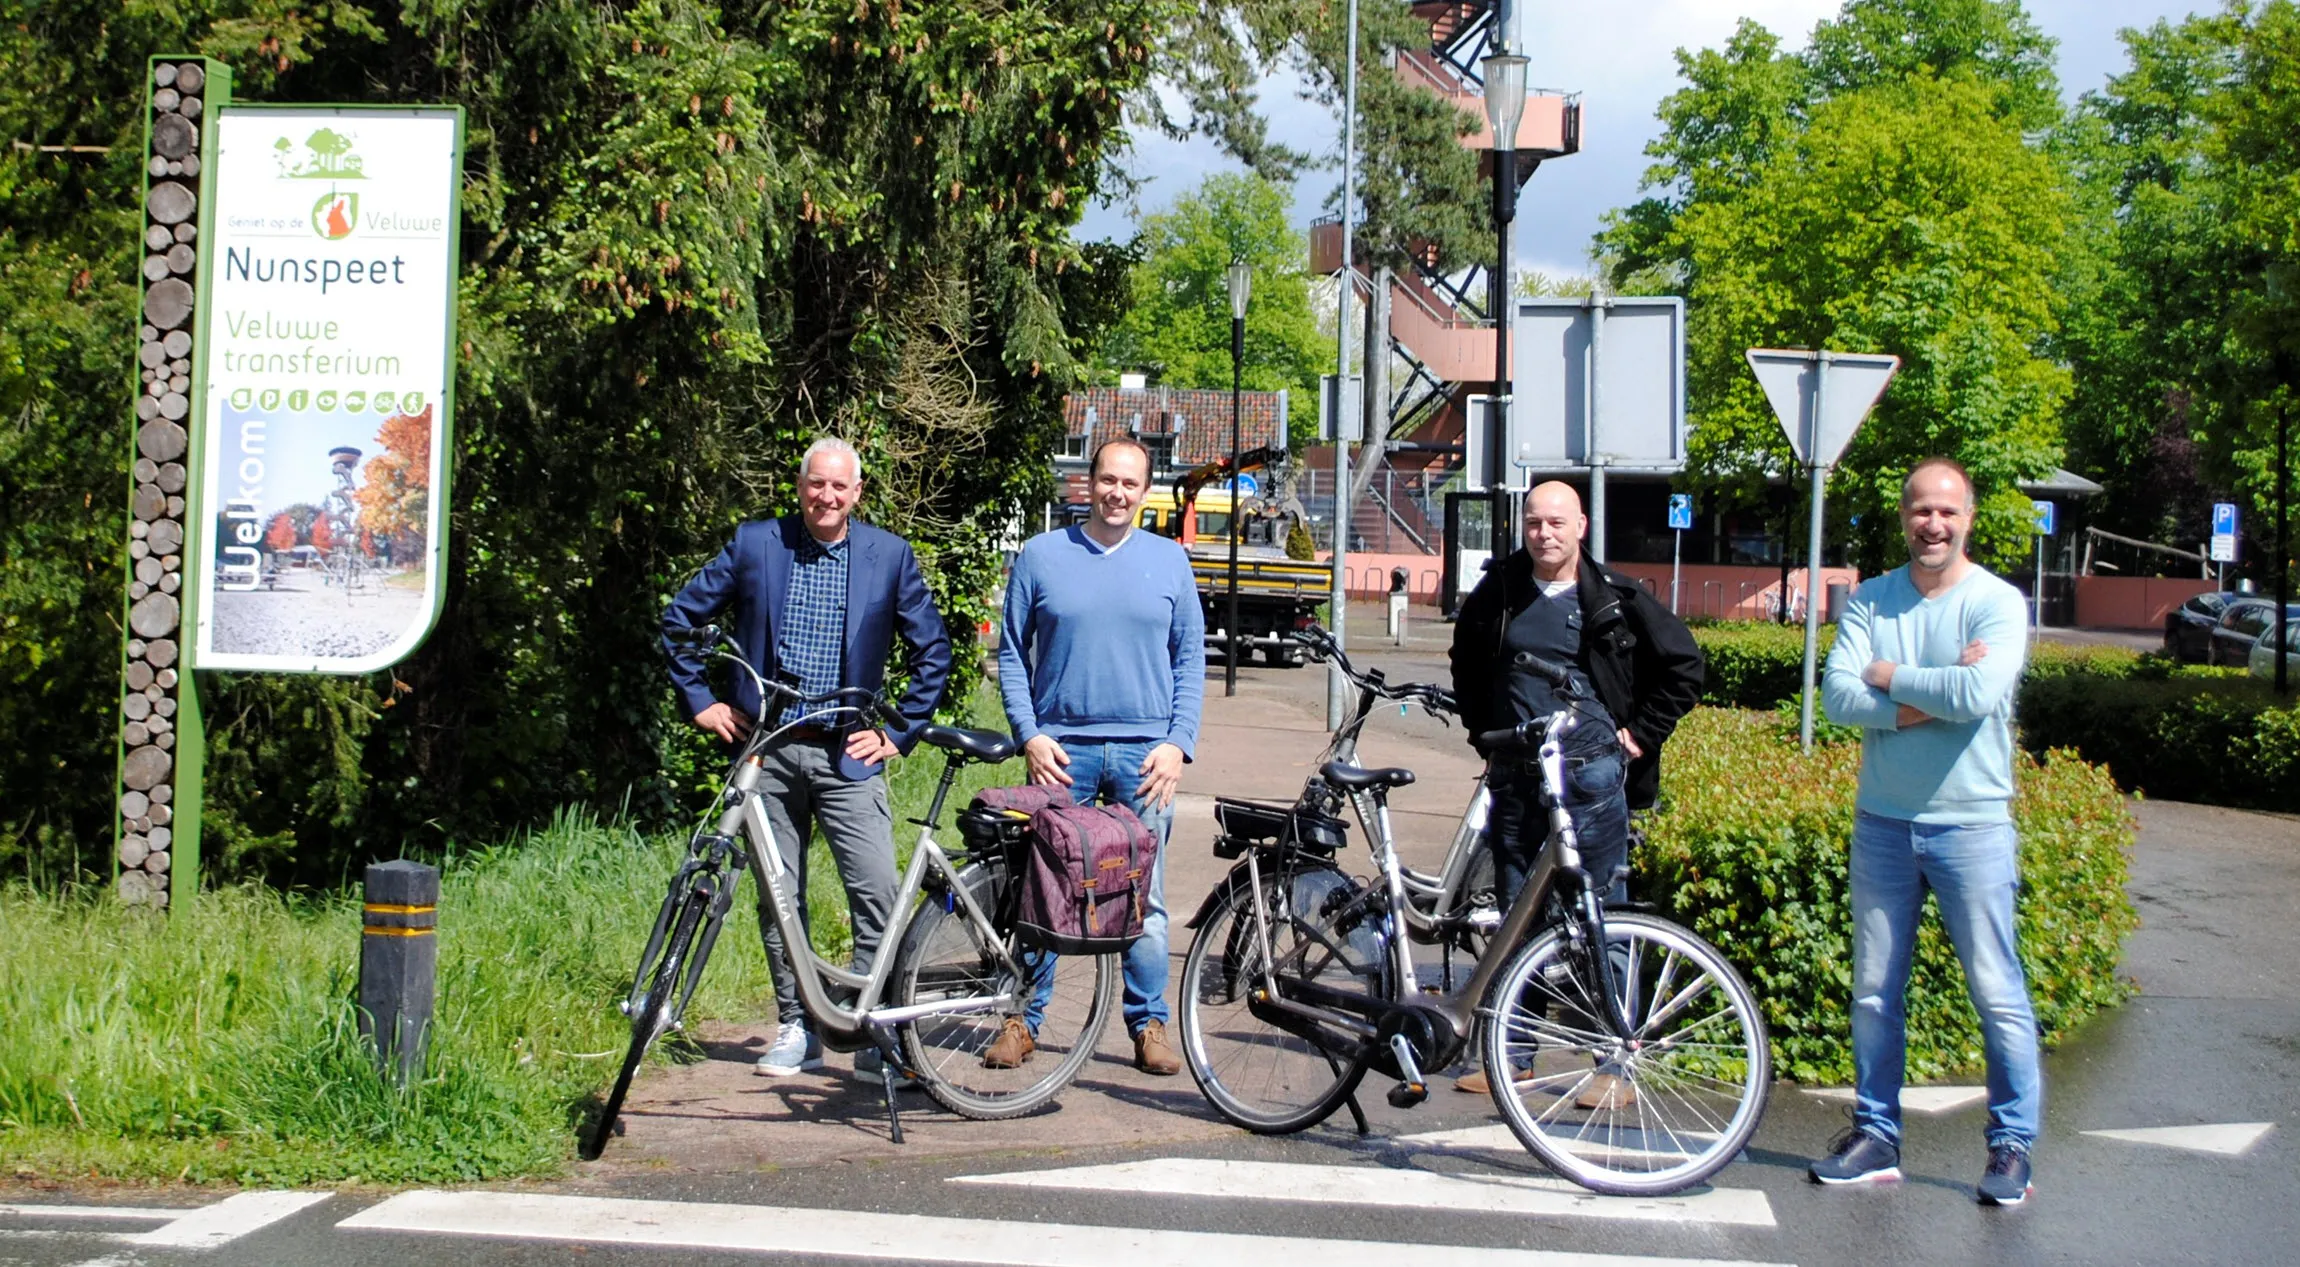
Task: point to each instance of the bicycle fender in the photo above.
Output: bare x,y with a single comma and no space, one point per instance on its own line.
1235,880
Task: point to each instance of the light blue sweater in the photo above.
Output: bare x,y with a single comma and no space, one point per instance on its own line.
1103,644
1957,768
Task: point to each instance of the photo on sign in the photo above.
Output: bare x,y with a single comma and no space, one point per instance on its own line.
320,547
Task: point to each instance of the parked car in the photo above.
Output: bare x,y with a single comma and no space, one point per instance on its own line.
2239,627
2262,662
2188,627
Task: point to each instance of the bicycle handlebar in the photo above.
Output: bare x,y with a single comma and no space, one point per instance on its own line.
1323,646
865,704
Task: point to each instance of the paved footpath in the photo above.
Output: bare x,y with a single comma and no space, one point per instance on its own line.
2169,1135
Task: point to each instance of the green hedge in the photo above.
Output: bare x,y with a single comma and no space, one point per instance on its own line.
2188,738
1751,853
2179,732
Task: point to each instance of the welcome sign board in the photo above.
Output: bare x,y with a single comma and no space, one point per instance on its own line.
328,315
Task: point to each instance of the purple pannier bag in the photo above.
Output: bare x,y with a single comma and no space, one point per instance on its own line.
1085,884
1028,799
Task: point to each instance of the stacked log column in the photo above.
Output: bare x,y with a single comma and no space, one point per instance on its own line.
152,680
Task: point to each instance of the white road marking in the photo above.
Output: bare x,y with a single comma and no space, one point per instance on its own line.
2229,1139
229,1219
200,1227
115,1213
1917,1099
1536,1196
905,1237
1499,1139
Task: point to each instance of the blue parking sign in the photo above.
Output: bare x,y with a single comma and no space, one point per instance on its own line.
2223,519
2047,520
1681,512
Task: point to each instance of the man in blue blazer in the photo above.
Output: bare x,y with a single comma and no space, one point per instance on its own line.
818,598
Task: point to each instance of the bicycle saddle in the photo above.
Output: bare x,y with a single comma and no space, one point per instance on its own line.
975,745
1354,778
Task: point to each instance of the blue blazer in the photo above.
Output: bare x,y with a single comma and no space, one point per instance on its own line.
886,595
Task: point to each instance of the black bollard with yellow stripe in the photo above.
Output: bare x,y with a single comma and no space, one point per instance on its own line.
399,964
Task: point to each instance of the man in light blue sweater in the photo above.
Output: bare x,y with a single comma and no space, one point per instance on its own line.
1102,663
1926,661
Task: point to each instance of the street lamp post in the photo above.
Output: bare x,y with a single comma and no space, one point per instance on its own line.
1241,279
1504,105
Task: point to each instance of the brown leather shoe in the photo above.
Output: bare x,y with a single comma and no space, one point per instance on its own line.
1153,1053
1606,1091
1011,1048
1476,1083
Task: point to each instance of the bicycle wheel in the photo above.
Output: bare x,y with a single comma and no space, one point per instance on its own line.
945,956
1696,1066
1267,1071
648,1018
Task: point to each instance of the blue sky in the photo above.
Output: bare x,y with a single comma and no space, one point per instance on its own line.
1624,67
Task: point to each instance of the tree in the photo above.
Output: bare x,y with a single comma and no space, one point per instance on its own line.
279,535
394,495
1179,325
1907,218
694,238
323,535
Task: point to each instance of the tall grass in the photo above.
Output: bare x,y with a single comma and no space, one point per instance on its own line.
220,1043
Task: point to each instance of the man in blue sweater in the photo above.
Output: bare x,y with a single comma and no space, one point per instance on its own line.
1926,661
1102,663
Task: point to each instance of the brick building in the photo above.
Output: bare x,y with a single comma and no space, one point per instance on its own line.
1183,427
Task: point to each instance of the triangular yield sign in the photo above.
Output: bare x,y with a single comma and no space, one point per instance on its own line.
1790,378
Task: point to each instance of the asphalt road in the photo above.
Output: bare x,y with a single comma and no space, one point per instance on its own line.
2209,1052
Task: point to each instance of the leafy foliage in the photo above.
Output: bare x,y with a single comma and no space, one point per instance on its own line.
1179,323
1879,193
1752,849
695,237
2217,741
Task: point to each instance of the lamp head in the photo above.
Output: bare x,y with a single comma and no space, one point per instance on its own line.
1504,96
1241,282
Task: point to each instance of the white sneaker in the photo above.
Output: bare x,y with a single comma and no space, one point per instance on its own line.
794,1051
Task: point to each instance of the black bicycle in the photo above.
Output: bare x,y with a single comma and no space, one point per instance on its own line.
949,970
1622,1049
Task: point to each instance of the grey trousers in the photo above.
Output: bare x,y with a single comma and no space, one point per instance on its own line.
800,783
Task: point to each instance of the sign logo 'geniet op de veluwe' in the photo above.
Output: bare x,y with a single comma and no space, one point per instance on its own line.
335,215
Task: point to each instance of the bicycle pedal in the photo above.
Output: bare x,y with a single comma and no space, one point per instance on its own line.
1406,1095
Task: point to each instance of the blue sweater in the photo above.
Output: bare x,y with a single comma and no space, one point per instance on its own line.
1957,768
1103,644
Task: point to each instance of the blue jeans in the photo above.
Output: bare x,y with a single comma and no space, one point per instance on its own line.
1519,825
1109,772
1975,873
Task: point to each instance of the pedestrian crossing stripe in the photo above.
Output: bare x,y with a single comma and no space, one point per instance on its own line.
1624,1143
1524,1195
1926,1100
196,1227
909,1237
2229,1139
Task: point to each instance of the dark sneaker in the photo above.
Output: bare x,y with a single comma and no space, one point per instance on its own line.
2006,1181
1153,1054
1012,1046
1857,1157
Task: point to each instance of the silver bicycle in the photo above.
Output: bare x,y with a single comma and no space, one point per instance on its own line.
948,972
1622,1049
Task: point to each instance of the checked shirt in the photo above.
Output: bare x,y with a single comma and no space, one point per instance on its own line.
814,620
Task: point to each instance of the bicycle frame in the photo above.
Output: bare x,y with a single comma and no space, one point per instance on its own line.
1433,900
1458,1013
743,816
845,1027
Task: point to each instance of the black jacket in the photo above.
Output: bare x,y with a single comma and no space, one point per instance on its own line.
1642,660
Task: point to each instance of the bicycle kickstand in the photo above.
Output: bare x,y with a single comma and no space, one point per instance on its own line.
889,1065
